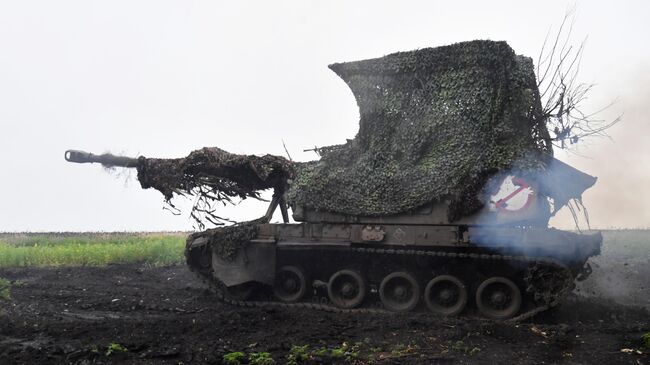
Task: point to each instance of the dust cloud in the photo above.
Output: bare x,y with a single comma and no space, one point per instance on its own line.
620,198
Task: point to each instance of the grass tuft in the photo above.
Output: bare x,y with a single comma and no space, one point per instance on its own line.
5,289
114,348
234,358
260,358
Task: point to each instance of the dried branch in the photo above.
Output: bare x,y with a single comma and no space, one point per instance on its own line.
562,95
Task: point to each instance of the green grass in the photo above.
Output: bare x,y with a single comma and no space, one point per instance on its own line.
260,358
5,289
90,249
114,348
234,358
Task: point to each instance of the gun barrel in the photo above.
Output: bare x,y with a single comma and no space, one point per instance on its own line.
105,159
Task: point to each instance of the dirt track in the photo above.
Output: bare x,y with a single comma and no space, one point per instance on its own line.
163,315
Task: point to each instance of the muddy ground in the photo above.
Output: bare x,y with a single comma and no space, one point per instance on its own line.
164,316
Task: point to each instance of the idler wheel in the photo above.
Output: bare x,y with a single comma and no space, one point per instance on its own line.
346,289
498,298
290,284
446,295
399,292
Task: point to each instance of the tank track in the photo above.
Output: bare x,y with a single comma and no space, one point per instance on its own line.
537,281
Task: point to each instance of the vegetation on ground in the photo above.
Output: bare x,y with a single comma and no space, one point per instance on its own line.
234,358
260,358
254,358
298,354
348,353
114,348
5,289
646,340
90,249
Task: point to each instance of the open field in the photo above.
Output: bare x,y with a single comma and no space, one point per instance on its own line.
141,313
90,249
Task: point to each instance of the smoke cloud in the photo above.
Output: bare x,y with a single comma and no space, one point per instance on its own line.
620,198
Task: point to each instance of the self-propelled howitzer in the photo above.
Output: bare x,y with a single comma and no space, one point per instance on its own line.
441,202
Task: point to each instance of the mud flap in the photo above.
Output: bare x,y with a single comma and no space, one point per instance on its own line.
253,262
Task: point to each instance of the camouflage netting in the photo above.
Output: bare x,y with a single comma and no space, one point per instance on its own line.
227,173
214,175
226,241
435,124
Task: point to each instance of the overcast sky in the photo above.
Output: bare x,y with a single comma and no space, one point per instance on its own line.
162,78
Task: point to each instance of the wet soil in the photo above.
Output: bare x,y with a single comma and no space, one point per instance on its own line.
165,316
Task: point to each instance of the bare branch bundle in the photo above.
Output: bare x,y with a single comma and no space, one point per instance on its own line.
562,95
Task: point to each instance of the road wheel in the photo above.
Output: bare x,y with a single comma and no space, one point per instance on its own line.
498,298
399,292
446,295
290,284
346,289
